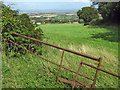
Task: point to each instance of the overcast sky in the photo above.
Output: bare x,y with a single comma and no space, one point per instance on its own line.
46,0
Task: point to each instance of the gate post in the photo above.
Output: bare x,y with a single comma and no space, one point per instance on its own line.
99,64
76,75
60,67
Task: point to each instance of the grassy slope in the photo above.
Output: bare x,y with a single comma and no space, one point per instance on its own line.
91,40
79,34
30,71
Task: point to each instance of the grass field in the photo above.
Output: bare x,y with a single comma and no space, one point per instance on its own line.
31,71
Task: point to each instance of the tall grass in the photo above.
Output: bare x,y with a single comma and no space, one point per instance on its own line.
95,41
31,71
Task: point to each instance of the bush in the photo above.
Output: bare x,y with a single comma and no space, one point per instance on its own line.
81,21
96,22
13,22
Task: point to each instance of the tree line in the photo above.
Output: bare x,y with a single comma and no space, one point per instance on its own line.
110,12
60,19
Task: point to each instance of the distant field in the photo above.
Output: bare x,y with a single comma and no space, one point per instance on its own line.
31,71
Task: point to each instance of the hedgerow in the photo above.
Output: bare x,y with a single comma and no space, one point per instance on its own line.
13,22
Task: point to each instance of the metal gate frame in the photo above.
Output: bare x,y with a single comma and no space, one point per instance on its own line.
75,82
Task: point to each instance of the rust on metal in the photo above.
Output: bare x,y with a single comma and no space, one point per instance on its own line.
49,60
33,53
80,54
96,74
101,70
69,81
84,84
76,75
65,80
75,82
60,67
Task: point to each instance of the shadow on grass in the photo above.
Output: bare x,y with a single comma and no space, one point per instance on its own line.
112,35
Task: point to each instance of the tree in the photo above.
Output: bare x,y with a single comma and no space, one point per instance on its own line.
87,14
110,11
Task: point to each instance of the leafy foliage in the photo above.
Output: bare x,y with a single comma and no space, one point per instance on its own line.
13,22
87,14
95,22
110,11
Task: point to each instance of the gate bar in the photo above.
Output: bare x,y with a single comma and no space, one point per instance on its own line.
80,54
101,70
50,61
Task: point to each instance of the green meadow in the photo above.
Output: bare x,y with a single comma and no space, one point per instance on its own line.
29,71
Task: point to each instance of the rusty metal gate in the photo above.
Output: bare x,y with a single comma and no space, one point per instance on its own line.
75,81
